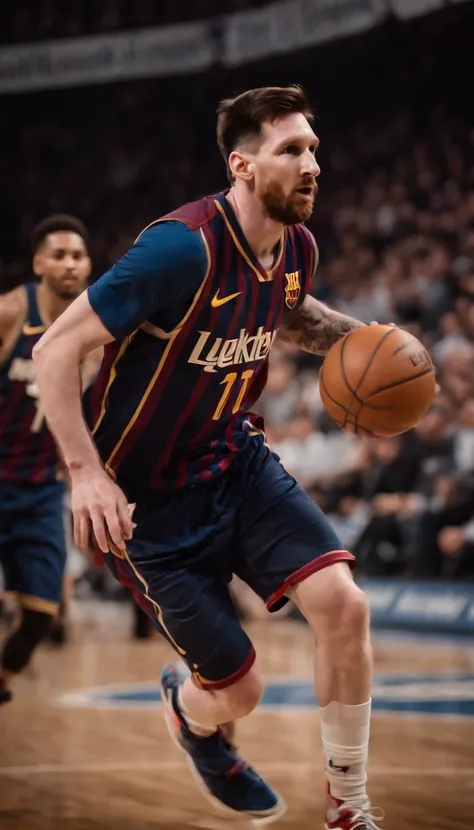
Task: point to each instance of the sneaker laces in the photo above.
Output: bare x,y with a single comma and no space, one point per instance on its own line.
240,763
370,815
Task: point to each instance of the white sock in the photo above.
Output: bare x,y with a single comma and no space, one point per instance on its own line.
194,726
345,734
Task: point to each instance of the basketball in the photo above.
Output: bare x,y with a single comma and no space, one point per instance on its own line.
377,380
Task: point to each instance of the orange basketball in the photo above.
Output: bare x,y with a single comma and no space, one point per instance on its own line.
377,380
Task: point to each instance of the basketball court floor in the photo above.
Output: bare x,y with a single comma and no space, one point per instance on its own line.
83,746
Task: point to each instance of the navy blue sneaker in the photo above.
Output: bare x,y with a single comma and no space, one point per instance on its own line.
225,778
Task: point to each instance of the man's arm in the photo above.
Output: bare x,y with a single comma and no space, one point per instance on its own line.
13,307
57,357
315,327
167,262
95,500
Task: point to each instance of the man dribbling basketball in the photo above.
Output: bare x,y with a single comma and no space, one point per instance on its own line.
188,317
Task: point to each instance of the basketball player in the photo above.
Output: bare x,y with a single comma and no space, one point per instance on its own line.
188,317
32,544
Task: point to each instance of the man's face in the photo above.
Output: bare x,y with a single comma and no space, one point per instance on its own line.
285,169
63,264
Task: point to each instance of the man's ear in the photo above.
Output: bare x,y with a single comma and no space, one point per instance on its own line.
241,166
38,264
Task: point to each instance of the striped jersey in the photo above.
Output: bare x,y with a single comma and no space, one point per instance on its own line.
194,315
28,451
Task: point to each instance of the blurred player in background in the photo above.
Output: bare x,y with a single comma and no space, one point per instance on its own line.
32,541
188,317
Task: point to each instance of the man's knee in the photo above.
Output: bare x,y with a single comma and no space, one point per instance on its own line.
355,612
333,604
244,695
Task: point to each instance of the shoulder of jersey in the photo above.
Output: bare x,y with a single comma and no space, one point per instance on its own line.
193,214
305,232
14,305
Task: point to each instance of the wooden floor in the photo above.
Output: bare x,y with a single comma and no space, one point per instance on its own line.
76,759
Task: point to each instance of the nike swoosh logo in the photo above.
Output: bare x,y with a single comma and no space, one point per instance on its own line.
28,330
337,768
216,302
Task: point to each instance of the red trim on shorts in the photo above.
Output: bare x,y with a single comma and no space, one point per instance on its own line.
307,570
215,685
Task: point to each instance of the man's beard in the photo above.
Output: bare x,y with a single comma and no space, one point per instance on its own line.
289,210
64,292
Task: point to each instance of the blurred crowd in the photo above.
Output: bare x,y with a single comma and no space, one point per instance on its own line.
51,19
394,222
401,250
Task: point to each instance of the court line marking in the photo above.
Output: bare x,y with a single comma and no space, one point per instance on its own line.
421,637
85,699
268,766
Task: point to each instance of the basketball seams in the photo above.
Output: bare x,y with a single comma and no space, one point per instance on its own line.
355,408
322,383
353,392
364,374
343,369
398,383
401,348
373,356
347,412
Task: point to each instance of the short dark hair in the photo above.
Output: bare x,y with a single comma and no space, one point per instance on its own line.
241,118
54,224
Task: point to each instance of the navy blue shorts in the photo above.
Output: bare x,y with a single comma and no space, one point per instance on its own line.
32,543
254,521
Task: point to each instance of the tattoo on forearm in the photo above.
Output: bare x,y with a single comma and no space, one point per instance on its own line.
315,328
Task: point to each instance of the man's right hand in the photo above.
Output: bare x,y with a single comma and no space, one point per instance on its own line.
99,507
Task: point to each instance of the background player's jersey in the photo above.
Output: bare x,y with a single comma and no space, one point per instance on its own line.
28,452
171,403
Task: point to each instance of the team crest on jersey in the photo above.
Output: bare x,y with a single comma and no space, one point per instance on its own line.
292,289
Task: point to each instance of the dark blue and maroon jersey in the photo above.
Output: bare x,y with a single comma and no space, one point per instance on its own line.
28,452
194,315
